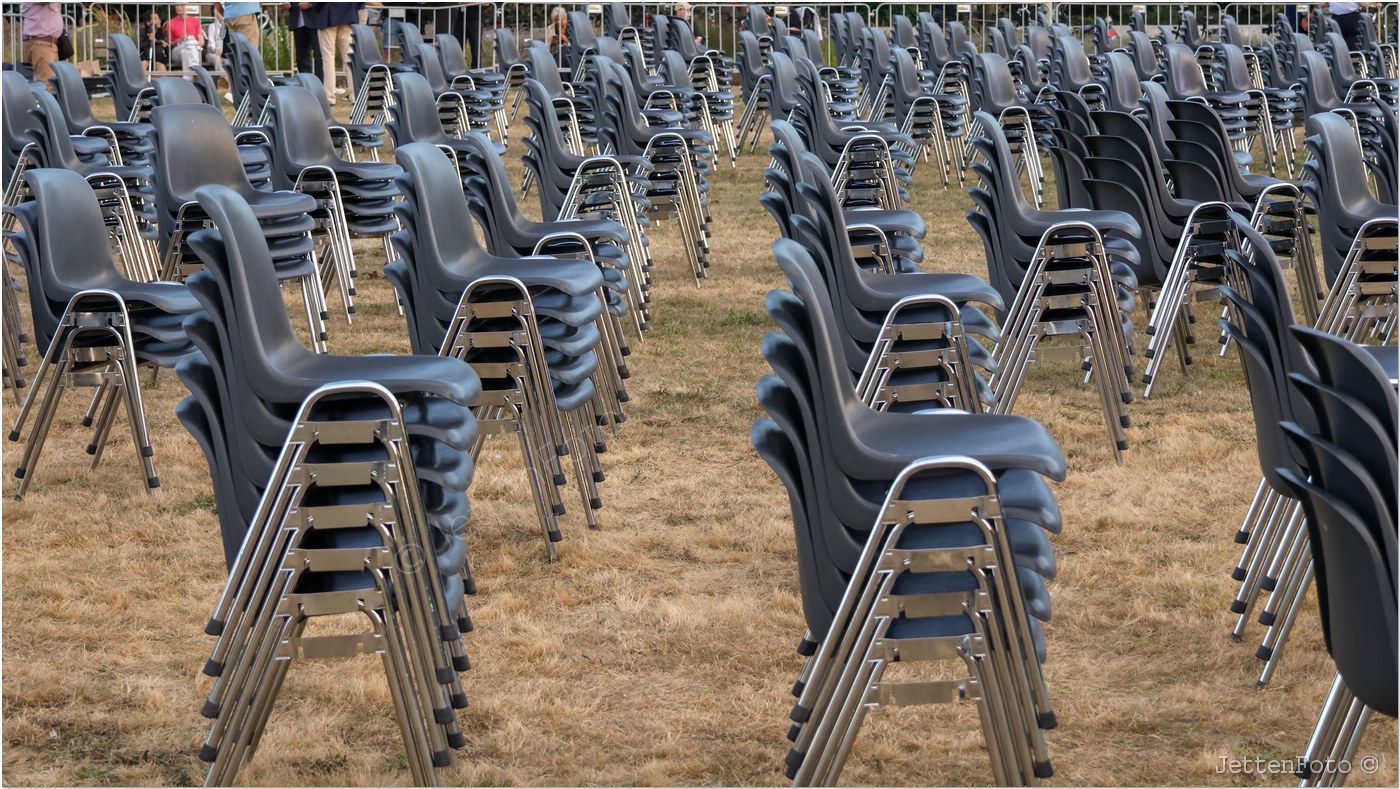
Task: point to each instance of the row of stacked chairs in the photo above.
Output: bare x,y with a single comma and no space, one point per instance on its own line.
1150,151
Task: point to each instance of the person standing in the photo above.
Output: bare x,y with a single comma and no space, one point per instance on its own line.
43,24
333,21
305,39
1348,19
243,18
186,36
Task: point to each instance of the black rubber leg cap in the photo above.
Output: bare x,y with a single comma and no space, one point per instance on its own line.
210,709
19,473
1151,330
462,663
147,452
626,351
1241,538
562,450
600,447
559,480
153,482
464,624
555,536
595,503
799,714
469,584
444,717
1267,618
622,371
797,688
351,309
620,417
91,449
213,628
444,676
1043,770
1268,584
599,476
557,509
600,420
1150,352
457,740
793,732
1125,421
459,701
1147,379
790,772
213,668
208,753
1046,720
442,759
1237,607
447,633
1190,359
794,758
14,435
1264,653
1237,574
1122,445
87,422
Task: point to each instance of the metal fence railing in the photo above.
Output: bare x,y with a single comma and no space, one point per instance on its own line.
718,23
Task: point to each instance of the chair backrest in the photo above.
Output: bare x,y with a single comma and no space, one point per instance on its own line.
451,56
72,97
174,90
300,137
507,50
16,118
196,147
415,111
431,183
1184,75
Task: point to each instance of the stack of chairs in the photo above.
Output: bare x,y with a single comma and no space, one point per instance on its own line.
494,83
1277,556
704,77
1350,509
601,242
1061,277
195,148
1351,73
131,90
679,160
350,475
1022,120
527,325
754,86
354,199
510,66
372,76
907,337
97,327
129,143
127,195
1358,234
571,101
871,163
254,146
367,138
464,106
936,121
919,540
1233,70
1244,115
590,187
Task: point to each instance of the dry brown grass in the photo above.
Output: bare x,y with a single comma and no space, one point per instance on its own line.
660,649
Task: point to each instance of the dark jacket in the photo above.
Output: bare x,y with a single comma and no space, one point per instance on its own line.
324,15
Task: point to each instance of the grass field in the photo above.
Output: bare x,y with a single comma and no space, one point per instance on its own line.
659,650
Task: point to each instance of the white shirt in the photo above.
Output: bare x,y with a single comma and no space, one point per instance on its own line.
1342,9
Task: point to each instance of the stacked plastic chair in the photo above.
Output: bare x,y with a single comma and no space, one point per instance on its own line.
1062,277
1358,234
494,83
599,241
195,147
254,146
349,138
372,76
528,325
574,187
1350,508
131,90
126,191
355,199
356,471
97,327
918,541
463,107
129,142
906,338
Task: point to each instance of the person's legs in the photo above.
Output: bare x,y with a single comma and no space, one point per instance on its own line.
1350,25
342,44
40,54
326,37
307,50
248,26
472,34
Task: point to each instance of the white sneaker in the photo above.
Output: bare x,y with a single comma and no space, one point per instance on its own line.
228,97
340,91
